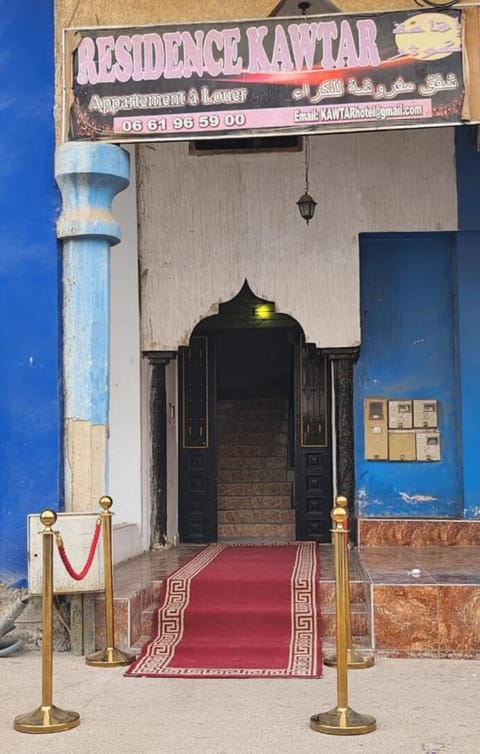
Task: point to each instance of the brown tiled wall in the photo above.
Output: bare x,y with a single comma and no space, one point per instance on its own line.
435,621
376,532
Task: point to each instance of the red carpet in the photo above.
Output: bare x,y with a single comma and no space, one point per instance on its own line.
238,611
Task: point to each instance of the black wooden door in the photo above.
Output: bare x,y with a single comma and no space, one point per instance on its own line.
197,456
313,446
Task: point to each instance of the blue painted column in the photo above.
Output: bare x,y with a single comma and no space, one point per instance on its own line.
89,175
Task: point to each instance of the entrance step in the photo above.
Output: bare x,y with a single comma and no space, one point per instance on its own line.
359,615
253,494
260,450
252,462
254,488
265,439
358,618
273,531
247,475
226,424
262,516
360,611
228,502
138,592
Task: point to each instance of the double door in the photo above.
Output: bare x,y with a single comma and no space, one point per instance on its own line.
309,437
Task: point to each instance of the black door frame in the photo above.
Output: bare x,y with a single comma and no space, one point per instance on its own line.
343,360
313,442
340,360
197,456
157,407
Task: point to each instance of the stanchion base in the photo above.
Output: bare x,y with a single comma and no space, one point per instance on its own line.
48,719
110,657
355,661
343,722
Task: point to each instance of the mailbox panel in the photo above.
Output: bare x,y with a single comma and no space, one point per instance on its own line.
425,413
428,446
400,414
401,446
375,424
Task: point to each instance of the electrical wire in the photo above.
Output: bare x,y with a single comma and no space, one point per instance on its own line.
437,6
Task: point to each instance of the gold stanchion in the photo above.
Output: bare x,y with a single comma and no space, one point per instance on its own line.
341,720
110,656
355,660
47,718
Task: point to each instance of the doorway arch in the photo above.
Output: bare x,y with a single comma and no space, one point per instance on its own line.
255,431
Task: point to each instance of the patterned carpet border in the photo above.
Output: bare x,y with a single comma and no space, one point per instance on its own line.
304,656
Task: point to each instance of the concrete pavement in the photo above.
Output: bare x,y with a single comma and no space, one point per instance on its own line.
420,706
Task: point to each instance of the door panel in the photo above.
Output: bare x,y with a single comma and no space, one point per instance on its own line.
197,456
313,455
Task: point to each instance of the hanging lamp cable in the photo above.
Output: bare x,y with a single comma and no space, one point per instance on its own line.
307,161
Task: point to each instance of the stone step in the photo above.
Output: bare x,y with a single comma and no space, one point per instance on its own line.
226,425
252,475
140,642
135,610
147,619
225,462
360,643
266,439
274,531
357,593
253,488
260,516
358,615
234,502
257,449
358,619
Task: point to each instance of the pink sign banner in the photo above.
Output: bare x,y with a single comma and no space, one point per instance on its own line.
263,77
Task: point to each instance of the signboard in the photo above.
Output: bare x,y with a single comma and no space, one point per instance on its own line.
76,530
295,75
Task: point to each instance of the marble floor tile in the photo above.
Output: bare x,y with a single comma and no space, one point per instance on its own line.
459,618
406,617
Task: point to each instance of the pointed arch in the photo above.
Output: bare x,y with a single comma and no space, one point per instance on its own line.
246,310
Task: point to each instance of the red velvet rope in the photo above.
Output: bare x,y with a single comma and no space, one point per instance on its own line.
78,576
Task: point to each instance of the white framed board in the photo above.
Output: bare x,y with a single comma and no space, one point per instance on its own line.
76,530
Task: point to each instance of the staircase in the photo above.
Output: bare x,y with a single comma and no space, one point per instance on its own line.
254,497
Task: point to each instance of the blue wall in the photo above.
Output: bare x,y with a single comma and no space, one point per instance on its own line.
467,160
468,313
408,335
467,146
30,411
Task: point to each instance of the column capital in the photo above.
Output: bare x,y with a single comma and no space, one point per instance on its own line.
89,175
160,357
349,353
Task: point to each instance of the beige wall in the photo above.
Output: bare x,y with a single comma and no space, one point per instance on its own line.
207,223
